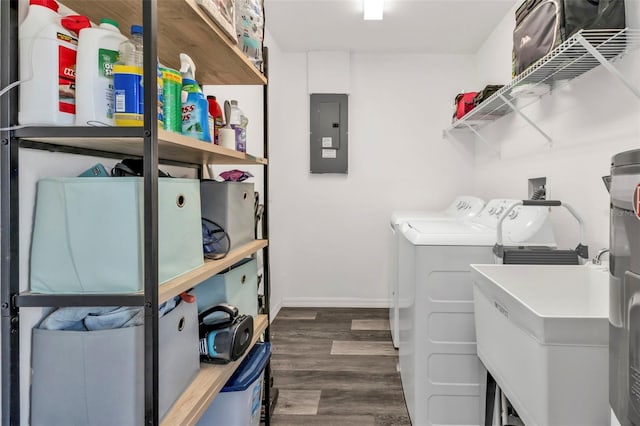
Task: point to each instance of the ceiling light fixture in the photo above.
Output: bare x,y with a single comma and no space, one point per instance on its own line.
373,10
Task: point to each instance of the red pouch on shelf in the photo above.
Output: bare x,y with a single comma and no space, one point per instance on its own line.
464,104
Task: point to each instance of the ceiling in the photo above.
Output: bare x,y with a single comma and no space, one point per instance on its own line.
409,26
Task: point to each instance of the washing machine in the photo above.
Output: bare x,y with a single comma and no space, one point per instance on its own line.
442,376
463,207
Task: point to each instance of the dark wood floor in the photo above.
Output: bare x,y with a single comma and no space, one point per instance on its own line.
335,367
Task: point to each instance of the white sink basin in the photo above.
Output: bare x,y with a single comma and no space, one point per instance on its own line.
542,333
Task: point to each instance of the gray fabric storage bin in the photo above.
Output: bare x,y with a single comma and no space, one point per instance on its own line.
96,378
238,287
230,205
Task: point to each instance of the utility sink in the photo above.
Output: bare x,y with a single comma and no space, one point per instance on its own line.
543,334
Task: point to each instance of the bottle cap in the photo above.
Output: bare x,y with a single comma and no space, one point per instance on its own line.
51,4
211,97
136,29
234,102
75,23
110,22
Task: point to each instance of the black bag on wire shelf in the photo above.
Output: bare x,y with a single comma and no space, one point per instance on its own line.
486,93
542,25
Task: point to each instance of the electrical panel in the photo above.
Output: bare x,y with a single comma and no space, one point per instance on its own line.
329,133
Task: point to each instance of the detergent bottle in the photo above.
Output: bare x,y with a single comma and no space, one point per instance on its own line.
97,54
239,123
127,81
195,108
218,119
48,49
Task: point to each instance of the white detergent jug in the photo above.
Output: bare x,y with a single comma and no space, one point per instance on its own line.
47,64
97,53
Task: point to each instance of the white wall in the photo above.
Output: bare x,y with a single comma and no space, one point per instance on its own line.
589,120
329,233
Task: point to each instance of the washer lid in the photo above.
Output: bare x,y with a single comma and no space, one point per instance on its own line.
399,217
626,158
448,234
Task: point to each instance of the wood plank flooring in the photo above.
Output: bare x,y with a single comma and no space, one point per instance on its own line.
335,367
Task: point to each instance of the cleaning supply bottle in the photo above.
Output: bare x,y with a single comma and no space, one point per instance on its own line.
195,109
239,124
160,95
48,48
172,93
97,54
127,81
218,119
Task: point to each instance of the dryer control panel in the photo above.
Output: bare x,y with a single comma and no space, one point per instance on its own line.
493,211
528,224
465,206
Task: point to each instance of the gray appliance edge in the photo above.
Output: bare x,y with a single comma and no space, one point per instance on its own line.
624,290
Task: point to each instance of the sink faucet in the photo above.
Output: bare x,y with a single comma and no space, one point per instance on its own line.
596,260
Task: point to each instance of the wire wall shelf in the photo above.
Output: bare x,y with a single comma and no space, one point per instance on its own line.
581,53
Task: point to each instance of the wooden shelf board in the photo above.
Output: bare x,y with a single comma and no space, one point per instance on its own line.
166,291
211,267
193,403
172,147
182,28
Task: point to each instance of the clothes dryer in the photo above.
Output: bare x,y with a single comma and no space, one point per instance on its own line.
463,207
441,373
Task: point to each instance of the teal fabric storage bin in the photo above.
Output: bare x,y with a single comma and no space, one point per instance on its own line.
96,378
238,287
88,233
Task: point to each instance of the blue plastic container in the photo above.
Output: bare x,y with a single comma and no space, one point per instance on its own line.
239,401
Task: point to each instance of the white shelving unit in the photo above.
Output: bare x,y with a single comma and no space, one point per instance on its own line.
581,53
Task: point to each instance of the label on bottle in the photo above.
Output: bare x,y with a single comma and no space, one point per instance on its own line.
67,74
106,59
195,122
160,92
172,88
191,125
128,94
241,138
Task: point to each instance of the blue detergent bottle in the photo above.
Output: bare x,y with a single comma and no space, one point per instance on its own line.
195,108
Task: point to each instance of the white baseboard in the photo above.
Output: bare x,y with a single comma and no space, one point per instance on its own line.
333,302
274,309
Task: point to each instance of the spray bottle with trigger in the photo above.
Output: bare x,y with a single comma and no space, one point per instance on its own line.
195,108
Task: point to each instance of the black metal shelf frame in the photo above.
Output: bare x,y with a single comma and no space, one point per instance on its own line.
31,300
11,139
265,235
9,216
